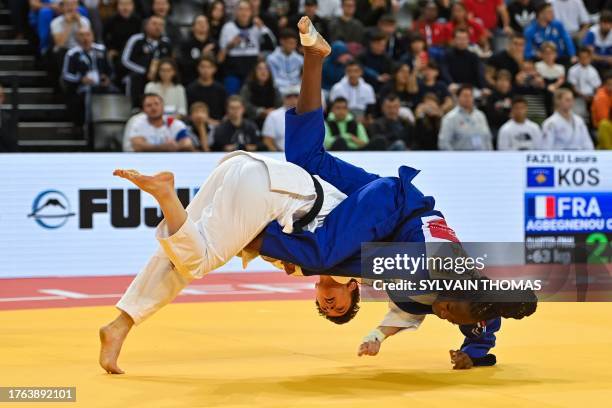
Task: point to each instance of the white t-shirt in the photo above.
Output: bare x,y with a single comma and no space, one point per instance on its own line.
561,134
274,127
172,129
550,72
58,25
585,79
358,97
519,136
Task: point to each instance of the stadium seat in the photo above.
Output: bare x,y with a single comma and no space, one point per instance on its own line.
108,116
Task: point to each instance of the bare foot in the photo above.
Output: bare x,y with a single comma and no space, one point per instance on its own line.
112,337
320,46
157,185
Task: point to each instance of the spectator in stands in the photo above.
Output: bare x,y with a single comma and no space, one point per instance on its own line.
545,28
237,132
519,133
462,66
431,84
216,19
64,29
460,19
142,54
352,87
285,62
444,9
499,102
117,31
528,80
377,65
397,45
206,89
601,107
161,9
565,130
342,131
85,71
553,73
166,84
521,13
240,43
511,58
403,84
346,27
259,94
487,11
599,40
396,132
417,55
369,11
465,127
155,132
200,128
335,65
273,130
584,77
199,43
602,114
427,126
311,10
42,13
8,128
431,28
573,15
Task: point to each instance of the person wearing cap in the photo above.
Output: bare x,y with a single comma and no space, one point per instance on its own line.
285,62
273,131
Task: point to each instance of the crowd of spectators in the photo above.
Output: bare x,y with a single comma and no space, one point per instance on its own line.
464,75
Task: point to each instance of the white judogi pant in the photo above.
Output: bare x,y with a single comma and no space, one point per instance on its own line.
240,197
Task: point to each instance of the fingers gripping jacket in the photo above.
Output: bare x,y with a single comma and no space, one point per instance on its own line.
374,335
310,38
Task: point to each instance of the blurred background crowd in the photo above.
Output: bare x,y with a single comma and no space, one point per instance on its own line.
194,75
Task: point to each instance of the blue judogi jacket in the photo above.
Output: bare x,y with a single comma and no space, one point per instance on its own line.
376,209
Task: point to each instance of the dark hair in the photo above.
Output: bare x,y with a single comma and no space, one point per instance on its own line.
252,77
503,73
584,49
464,87
350,313
391,97
387,18
198,105
175,79
605,16
340,99
524,303
210,9
352,63
519,99
460,30
149,95
235,98
376,35
541,7
287,33
207,57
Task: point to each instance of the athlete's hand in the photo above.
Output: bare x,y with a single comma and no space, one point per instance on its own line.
460,360
370,348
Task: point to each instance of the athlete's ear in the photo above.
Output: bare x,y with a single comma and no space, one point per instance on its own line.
352,285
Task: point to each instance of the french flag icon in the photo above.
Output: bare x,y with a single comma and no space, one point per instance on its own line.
543,207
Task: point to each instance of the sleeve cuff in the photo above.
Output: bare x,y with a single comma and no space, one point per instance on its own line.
486,361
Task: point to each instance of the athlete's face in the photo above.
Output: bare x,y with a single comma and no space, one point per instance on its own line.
454,312
334,298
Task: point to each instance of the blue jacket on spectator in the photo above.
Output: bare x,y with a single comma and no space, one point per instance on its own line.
333,71
555,32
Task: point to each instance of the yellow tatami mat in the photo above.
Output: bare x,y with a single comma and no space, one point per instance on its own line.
281,354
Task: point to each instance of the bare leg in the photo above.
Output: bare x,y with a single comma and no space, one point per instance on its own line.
161,187
310,92
112,337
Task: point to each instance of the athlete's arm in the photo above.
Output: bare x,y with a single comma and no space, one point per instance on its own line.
478,347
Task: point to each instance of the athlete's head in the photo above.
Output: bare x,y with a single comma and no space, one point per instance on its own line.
473,307
337,302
